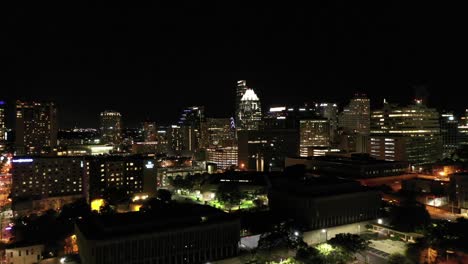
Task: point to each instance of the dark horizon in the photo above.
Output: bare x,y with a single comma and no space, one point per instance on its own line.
89,58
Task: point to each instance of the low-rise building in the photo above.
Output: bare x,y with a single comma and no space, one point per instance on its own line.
356,166
183,233
24,253
323,201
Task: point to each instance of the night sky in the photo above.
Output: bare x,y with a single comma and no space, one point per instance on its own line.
151,61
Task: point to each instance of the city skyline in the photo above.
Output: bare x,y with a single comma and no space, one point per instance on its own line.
116,57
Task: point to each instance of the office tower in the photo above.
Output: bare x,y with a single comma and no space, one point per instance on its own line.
111,127
241,88
250,111
48,177
218,132
36,127
175,139
356,115
409,133
223,157
286,117
149,131
330,112
449,134
266,150
191,128
78,136
464,119
313,133
2,126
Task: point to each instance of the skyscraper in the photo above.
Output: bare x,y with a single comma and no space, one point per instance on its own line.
330,112
218,132
250,111
356,115
449,133
111,127
36,127
2,125
191,128
313,133
241,88
409,133
149,131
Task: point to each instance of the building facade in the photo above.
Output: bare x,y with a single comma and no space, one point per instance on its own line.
194,237
313,133
24,254
449,134
223,157
409,133
36,127
111,127
250,111
356,115
2,126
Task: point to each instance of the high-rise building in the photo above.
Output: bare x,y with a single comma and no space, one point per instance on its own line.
191,128
111,127
356,115
266,150
464,119
149,131
36,127
241,88
313,133
250,111
2,126
409,133
175,139
218,132
223,157
330,112
286,117
449,133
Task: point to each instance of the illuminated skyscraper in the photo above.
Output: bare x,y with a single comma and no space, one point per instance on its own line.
191,128
218,132
449,133
356,115
36,127
2,125
313,133
149,131
241,88
409,133
111,127
330,112
250,111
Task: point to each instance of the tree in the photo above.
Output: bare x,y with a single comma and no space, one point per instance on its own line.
409,216
350,242
307,254
164,195
398,259
229,193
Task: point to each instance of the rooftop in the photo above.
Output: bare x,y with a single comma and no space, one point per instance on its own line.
166,218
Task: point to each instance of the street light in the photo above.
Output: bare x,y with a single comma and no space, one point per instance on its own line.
296,233
326,234
379,221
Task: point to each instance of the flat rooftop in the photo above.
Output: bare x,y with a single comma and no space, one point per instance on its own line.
169,217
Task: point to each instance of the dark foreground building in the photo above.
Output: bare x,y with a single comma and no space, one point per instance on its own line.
320,202
180,233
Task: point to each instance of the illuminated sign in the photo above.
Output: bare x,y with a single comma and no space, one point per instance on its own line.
149,165
22,160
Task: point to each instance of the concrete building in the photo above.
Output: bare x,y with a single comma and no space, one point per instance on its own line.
36,127
357,166
313,133
409,133
24,253
48,177
324,201
111,127
355,117
266,150
223,157
449,134
459,188
181,233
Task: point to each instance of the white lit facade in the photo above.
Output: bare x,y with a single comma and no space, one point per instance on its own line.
409,133
250,111
223,157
